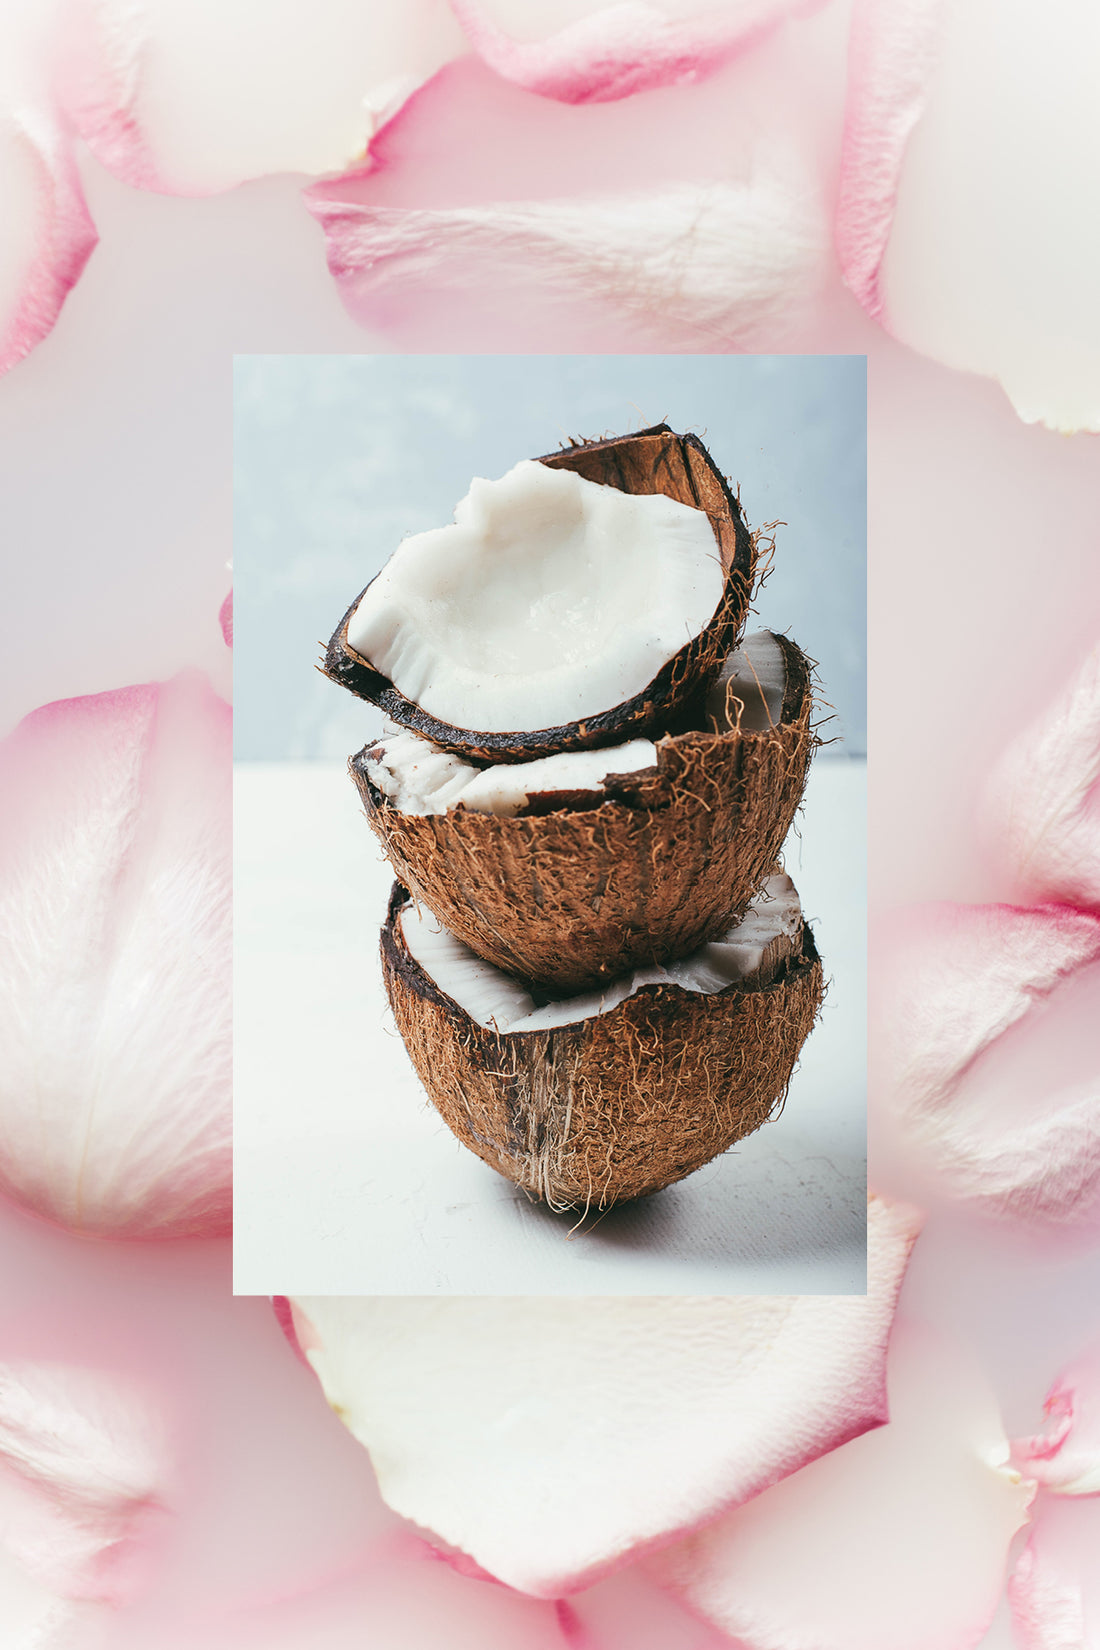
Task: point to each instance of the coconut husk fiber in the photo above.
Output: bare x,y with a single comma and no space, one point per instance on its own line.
583,887
653,461
620,1105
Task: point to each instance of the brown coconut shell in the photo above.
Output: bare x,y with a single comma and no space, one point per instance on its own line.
584,886
653,461
619,1105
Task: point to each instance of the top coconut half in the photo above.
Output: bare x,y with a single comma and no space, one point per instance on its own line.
582,599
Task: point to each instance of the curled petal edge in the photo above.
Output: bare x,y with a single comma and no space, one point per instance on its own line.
1042,807
618,50
820,1383
64,235
894,46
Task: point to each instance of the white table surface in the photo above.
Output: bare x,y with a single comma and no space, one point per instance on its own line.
347,1182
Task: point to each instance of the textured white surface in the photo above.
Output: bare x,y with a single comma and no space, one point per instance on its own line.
347,1181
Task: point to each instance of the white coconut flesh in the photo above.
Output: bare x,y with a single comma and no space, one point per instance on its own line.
417,777
500,1003
749,691
549,599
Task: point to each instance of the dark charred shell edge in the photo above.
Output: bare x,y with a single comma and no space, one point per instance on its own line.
397,957
619,788
637,715
798,684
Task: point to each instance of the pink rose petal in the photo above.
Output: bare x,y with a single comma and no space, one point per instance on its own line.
115,932
539,1437
48,231
225,619
81,1463
400,1597
1053,1588
190,96
893,48
630,1611
898,1538
986,1079
613,51
1043,803
693,219
971,169
1065,1455
716,266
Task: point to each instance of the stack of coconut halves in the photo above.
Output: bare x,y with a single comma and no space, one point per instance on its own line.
600,972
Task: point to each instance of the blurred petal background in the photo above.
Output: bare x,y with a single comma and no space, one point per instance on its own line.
913,181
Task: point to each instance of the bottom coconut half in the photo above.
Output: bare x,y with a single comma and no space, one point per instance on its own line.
619,1104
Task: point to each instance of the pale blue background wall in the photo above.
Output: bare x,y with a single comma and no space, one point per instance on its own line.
337,458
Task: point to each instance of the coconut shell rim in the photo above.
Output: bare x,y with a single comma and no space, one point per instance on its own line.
798,701
397,956
350,670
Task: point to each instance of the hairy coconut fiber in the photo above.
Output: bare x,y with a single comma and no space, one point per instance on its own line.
653,461
581,887
619,1105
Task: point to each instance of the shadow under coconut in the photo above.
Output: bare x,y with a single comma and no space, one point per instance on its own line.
751,1208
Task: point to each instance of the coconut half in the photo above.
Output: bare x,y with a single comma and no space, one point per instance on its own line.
588,1101
573,869
577,602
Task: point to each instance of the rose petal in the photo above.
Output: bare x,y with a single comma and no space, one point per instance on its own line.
80,1465
981,1085
1042,802
403,1596
34,1618
899,1537
552,1439
721,266
81,1462
190,97
893,49
1065,1455
48,232
225,619
612,51
969,177
1053,1588
115,953
694,219
630,1611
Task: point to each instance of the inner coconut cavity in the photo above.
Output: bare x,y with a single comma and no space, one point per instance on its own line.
500,1003
417,777
549,599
